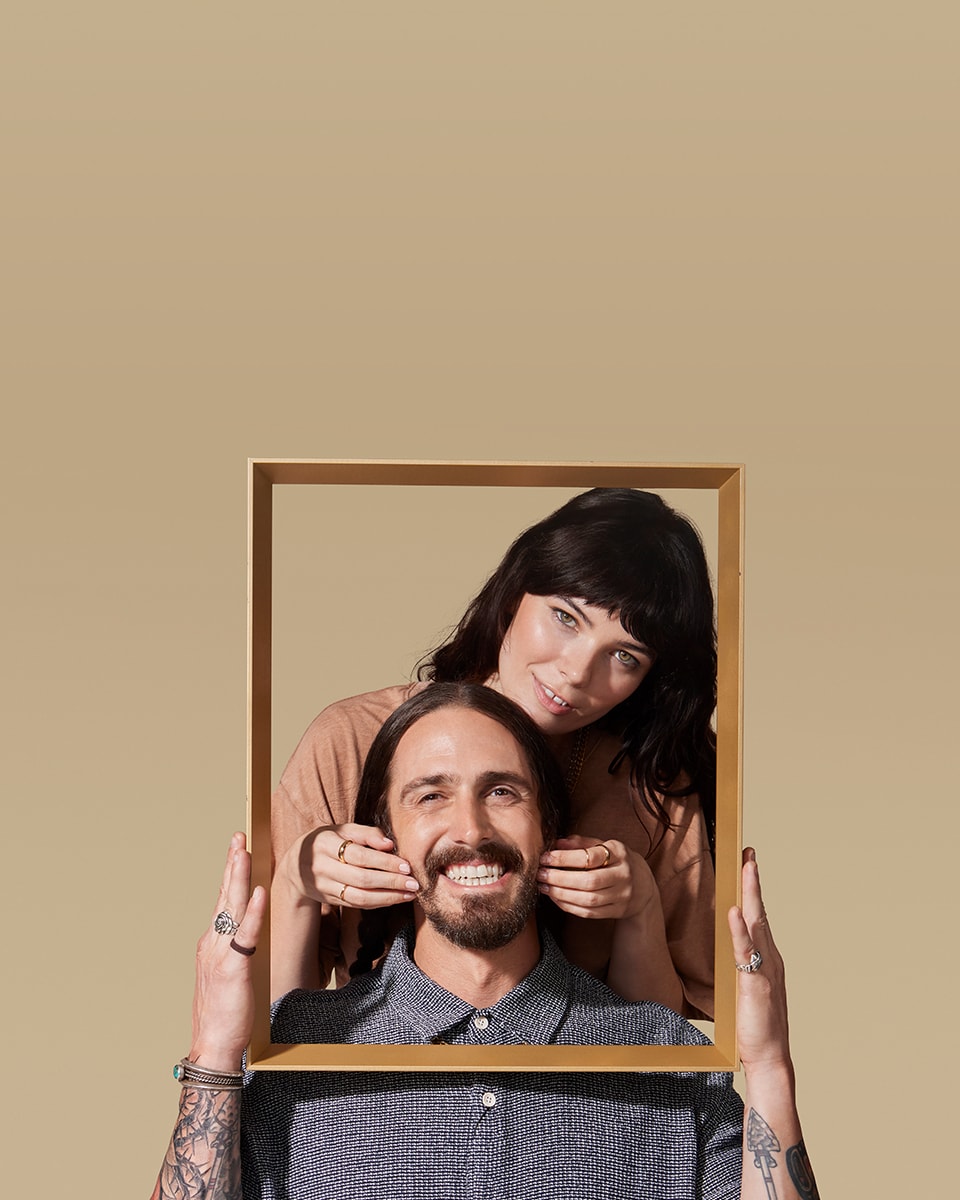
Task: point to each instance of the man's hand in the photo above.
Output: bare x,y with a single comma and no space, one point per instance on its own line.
223,997
762,1033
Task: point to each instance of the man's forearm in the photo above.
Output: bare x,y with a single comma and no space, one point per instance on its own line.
775,1163
203,1159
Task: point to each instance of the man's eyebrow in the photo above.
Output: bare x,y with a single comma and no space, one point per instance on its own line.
638,646
491,778
443,778
486,780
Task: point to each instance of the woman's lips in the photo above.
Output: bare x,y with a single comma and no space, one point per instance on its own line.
550,700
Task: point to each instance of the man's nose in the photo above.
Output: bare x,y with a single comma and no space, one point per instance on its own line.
470,821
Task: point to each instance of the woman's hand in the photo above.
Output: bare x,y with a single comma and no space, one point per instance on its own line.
590,878
223,996
350,865
762,1033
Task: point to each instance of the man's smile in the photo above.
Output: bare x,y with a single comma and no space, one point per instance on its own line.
474,875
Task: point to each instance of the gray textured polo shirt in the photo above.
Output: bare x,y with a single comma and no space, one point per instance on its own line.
500,1136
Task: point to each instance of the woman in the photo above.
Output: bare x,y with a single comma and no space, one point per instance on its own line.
599,623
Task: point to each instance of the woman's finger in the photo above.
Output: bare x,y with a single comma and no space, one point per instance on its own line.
360,835
354,897
376,881
581,903
357,854
579,854
584,882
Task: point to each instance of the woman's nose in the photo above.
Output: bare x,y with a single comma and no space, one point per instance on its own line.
577,665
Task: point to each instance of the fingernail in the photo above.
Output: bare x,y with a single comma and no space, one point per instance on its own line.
412,886
404,867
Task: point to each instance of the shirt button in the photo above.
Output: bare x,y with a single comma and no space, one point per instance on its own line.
488,1099
481,1021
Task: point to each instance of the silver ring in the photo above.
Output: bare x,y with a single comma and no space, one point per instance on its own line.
748,968
225,924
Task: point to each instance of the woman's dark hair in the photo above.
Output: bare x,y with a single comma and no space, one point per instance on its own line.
377,925
628,552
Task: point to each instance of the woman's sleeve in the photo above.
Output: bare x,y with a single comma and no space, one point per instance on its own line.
319,787
683,868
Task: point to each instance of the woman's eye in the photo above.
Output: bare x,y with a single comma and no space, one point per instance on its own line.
626,659
564,617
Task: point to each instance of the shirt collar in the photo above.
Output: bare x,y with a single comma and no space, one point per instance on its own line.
530,1014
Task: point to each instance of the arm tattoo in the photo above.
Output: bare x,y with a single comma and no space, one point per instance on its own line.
763,1143
203,1159
801,1172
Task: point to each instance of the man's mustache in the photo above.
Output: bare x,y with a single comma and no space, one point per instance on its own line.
490,853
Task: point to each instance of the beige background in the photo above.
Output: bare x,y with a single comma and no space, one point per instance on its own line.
497,231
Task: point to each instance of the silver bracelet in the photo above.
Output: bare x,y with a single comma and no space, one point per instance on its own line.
190,1075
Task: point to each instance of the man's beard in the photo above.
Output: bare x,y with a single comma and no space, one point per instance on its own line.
479,922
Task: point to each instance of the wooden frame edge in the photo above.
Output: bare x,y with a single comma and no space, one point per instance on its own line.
724,478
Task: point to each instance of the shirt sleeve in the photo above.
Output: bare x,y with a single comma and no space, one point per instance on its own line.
721,1133
318,787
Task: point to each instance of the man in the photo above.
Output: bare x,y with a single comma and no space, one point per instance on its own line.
460,779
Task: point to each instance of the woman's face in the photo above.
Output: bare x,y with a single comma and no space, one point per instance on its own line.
568,663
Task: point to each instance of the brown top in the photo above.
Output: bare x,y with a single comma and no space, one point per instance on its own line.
319,787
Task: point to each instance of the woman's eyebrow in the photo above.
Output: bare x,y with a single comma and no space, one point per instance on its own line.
638,646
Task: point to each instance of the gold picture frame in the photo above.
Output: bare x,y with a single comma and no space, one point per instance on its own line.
724,479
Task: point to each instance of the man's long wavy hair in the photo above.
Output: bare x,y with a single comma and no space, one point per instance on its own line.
630,553
378,926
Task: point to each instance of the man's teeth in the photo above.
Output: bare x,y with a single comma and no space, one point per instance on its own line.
474,876
554,697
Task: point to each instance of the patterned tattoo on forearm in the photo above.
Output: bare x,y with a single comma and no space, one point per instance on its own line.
203,1159
764,1145
801,1172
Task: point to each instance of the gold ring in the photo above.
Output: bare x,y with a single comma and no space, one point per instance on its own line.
342,890
343,845
606,851
586,850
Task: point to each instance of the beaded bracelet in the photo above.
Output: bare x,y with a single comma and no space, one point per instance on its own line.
190,1075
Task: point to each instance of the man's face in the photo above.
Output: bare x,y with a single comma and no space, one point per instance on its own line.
465,815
